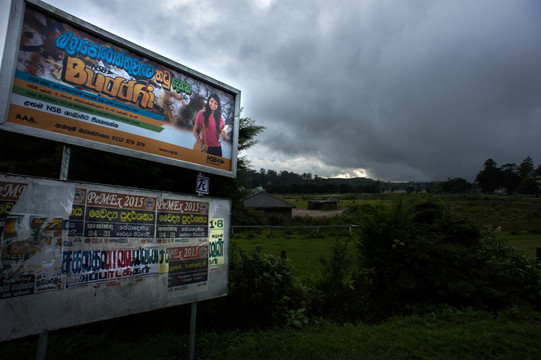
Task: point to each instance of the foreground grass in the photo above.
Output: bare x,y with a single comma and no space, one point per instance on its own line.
513,334
454,336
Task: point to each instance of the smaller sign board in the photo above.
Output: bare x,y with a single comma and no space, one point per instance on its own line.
203,185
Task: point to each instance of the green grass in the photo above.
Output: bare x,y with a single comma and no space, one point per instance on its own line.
304,254
519,217
447,335
457,336
526,242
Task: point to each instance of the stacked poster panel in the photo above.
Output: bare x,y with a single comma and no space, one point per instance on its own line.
72,82
73,253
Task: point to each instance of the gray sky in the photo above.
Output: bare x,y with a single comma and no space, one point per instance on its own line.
393,90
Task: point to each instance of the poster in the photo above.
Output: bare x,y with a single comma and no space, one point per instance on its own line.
110,238
83,89
103,252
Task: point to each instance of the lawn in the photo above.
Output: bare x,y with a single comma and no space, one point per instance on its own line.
514,334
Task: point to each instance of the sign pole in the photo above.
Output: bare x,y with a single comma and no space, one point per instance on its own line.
193,316
66,155
42,346
44,336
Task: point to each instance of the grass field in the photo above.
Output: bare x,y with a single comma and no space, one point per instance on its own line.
514,334
519,217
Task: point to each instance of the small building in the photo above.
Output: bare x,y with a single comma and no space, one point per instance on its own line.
327,204
270,205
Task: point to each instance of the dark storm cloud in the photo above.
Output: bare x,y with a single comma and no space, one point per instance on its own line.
406,90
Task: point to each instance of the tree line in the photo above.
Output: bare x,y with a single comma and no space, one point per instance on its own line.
509,178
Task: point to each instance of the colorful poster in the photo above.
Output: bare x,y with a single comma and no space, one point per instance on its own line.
188,267
184,224
216,241
87,90
107,237
9,194
73,253
30,243
111,238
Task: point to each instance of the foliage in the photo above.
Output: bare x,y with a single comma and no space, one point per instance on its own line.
416,257
488,179
456,186
446,334
248,131
510,177
262,291
452,335
335,297
507,277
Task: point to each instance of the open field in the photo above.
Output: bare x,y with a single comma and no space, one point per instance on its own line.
518,217
448,335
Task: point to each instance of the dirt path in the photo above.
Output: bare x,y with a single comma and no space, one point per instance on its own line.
316,213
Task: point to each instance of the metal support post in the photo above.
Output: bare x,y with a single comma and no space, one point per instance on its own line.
42,346
66,155
193,316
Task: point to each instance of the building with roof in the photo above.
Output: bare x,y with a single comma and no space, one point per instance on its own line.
327,204
270,205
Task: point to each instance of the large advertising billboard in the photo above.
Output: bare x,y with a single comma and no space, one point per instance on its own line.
72,82
73,253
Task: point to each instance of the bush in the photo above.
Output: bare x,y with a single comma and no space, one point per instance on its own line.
507,277
417,258
334,296
263,289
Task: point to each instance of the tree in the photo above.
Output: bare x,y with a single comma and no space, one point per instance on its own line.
510,178
248,131
526,168
489,178
529,186
537,171
456,186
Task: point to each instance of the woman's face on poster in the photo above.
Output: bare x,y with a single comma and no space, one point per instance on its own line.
213,104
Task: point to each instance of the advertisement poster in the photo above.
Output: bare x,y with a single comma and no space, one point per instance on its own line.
183,226
9,194
110,238
216,241
87,90
100,236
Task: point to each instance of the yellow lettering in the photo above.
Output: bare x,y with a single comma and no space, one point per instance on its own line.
95,80
74,71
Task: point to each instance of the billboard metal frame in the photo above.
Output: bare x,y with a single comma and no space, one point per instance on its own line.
7,78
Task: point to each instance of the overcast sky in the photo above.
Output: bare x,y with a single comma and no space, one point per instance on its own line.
393,90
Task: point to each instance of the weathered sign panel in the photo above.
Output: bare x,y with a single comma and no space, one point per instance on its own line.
73,253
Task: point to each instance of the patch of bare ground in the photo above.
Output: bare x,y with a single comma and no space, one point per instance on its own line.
316,213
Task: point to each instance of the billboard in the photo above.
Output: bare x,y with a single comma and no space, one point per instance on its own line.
72,82
73,253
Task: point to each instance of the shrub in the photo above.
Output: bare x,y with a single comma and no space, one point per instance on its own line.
416,258
507,276
334,296
262,291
